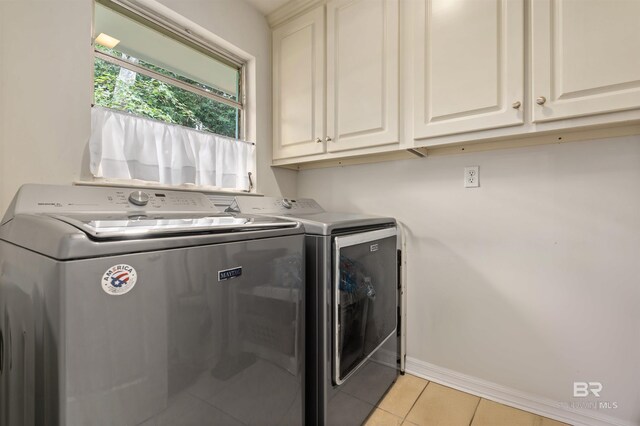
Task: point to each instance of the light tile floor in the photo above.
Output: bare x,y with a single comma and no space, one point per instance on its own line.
415,401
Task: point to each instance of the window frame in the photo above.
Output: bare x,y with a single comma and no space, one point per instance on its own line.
185,36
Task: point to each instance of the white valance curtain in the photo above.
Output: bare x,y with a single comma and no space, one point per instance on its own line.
124,146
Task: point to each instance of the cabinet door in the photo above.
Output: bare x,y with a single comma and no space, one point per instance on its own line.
585,57
362,73
469,65
298,86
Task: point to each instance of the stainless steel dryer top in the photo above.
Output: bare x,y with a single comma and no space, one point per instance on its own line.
308,212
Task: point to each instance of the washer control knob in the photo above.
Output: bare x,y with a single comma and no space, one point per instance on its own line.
286,203
139,198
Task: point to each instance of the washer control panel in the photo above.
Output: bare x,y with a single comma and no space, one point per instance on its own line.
286,203
276,206
87,199
139,198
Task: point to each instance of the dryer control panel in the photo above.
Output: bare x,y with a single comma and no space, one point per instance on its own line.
275,206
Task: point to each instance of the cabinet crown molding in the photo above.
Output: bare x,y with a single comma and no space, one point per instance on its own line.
290,10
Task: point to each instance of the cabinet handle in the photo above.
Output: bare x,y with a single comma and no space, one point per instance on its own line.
541,100
328,139
318,140
516,104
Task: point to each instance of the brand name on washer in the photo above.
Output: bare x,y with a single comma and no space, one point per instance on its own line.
228,274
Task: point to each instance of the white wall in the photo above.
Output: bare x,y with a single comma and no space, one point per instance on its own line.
531,281
45,92
46,66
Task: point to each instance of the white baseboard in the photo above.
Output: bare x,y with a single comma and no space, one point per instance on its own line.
512,397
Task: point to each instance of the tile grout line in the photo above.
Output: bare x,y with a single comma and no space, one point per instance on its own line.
416,401
538,418
475,411
403,418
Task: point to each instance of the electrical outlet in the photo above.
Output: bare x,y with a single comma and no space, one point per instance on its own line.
472,177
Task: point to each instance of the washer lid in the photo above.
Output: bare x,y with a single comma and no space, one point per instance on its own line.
71,238
74,222
120,227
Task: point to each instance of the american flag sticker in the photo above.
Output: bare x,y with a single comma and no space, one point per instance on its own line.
119,279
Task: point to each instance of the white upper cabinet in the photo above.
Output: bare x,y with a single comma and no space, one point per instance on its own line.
585,57
298,86
469,65
362,73
375,77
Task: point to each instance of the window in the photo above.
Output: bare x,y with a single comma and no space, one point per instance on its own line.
169,106
146,70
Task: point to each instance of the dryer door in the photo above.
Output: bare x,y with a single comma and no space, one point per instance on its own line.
365,297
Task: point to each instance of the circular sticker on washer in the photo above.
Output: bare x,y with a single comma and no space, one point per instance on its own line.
119,279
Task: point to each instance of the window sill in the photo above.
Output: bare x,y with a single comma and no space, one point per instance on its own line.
134,183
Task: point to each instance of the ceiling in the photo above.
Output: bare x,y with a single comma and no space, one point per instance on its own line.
267,6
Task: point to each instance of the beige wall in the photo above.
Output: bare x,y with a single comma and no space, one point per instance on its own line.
531,281
45,87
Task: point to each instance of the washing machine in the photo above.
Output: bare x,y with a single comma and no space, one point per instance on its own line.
352,307
128,307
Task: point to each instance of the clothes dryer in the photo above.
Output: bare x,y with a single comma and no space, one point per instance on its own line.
352,307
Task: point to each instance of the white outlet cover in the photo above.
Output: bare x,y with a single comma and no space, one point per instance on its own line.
472,177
